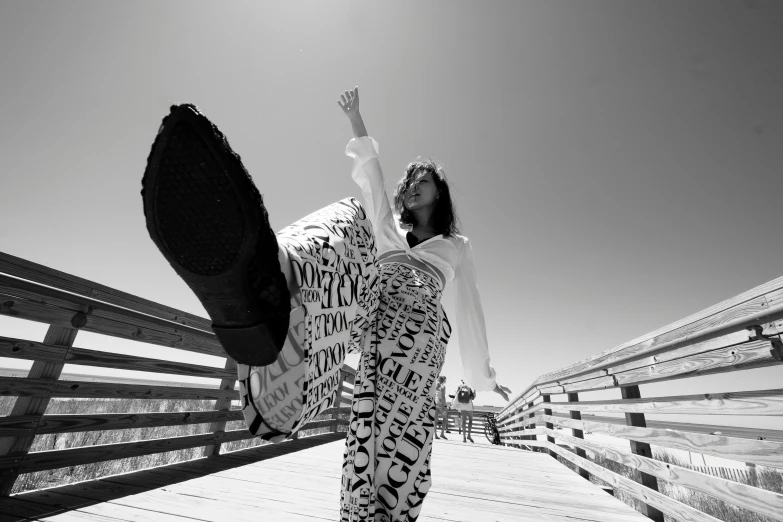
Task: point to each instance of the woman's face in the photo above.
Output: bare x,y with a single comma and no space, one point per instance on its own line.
422,192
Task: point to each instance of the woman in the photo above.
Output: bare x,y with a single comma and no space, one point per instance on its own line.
463,403
348,278
441,405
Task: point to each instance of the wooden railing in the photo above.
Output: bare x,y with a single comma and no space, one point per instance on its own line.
69,304
738,334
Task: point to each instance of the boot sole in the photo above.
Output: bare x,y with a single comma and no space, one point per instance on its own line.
207,218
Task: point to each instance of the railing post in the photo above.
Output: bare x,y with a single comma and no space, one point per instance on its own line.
531,426
641,448
221,405
35,406
579,434
549,425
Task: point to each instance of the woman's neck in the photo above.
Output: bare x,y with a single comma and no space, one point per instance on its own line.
422,227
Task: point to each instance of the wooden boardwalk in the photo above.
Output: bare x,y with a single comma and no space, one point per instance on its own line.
472,482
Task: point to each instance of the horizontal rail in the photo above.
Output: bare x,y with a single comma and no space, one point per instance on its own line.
761,402
25,300
46,460
35,351
753,354
744,311
26,387
710,429
667,505
764,502
72,423
44,275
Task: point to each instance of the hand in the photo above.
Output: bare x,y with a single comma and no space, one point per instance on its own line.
502,391
349,102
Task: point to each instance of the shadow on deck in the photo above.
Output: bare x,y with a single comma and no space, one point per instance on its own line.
300,480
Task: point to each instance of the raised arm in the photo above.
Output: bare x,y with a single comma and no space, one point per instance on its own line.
349,103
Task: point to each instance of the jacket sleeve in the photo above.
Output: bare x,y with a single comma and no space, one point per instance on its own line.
368,175
471,328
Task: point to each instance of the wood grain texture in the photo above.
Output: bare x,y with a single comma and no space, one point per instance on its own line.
752,305
505,485
41,274
223,404
656,499
14,425
711,429
42,371
761,402
762,452
20,308
761,501
30,350
27,387
62,499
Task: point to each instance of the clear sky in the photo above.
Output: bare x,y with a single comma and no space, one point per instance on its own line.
616,164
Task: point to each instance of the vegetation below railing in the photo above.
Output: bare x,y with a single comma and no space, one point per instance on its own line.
95,470
768,479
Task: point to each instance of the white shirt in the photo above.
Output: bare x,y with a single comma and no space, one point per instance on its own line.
452,256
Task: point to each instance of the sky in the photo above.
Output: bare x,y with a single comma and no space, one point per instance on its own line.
615,164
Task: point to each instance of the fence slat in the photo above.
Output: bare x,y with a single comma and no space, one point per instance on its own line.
736,313
643,449
579,434
762,452
41,274
761,402
758,500
223,404
659,501
25,386
34,406
74,423
31,350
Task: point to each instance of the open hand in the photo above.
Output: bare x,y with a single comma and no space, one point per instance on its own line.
502,391
349,102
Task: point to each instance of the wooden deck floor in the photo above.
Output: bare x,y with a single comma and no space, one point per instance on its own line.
471,482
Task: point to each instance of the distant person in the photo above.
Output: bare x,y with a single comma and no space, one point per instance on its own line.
463,403
289,306
441,406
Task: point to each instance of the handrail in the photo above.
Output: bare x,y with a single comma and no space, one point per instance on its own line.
740,333
70,304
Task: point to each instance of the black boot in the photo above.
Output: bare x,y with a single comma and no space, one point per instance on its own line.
208,220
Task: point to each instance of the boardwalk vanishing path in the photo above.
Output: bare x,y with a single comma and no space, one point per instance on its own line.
472,482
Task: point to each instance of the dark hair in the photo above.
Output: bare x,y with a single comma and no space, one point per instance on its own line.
444,217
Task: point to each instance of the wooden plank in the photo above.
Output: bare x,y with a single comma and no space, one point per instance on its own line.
44,460
65,310
38,273
753,354
737,313
710,429
641,448
579,434
31,350
51,501
761,452
15,425
507,485
758,500
223,404
33,406
658,500
724,341
760,402
529,395
28,387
